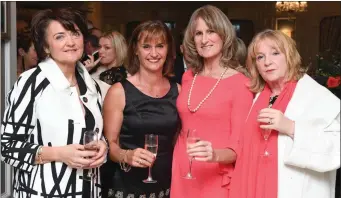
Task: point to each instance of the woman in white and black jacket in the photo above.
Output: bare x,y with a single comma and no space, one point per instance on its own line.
48,110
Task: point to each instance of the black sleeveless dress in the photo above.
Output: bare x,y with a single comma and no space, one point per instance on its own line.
144,115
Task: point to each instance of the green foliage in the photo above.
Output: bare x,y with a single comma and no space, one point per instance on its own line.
328,63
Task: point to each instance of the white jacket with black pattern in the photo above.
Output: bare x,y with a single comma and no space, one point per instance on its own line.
43,109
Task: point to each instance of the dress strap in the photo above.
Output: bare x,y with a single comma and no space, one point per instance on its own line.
174,87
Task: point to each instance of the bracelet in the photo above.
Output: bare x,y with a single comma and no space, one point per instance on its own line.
39,159
124,166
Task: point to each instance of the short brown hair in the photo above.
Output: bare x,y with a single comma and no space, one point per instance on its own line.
119,44
67,17
285,45
24,41
148,31
216,20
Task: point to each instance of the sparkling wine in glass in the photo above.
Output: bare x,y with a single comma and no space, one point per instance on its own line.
90,142
151,142
266,134
191,138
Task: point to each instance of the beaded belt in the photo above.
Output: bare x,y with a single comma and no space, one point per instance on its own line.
120,194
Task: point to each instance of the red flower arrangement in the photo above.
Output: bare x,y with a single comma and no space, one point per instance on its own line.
333,82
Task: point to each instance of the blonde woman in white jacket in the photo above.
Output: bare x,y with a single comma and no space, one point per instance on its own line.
290,146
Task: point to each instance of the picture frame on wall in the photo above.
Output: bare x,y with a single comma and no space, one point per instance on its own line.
287,26
5,20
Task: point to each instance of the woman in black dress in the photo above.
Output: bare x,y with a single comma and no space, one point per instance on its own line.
142,104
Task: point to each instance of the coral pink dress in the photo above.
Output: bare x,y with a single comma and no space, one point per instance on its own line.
218,120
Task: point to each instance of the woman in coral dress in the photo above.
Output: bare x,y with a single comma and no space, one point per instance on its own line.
214,102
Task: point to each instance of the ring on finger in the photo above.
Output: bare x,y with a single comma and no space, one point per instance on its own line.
270,121
140,162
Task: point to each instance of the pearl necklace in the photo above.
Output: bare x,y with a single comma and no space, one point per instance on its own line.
208,95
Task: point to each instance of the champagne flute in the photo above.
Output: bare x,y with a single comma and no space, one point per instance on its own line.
151,144
191,138
267,132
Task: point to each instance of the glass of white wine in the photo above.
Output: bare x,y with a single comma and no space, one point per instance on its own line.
90,142
191,138
151,142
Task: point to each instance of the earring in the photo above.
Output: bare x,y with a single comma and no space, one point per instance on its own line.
47,55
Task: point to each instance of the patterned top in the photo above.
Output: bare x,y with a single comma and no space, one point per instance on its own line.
42,109
113,75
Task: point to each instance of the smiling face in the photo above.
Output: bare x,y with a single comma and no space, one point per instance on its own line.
207,42
106,51
152,53
65,47
271,62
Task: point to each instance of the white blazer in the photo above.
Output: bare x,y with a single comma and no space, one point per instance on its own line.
307,164
42,109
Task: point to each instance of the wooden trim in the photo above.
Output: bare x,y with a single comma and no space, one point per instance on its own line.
5,20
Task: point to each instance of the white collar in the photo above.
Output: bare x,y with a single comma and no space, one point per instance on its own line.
57,79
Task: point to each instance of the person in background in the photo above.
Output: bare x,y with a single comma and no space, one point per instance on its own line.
48,110
180,65
144,103
96,32
91,47
214,102
241,52
112,54
26,54
290,145
23,26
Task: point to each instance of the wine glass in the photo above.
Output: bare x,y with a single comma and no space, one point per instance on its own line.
191,138
151,144
90,142
266,134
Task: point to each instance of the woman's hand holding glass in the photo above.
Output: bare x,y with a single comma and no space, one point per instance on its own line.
140,157
201,151
100,156
275,120
76,156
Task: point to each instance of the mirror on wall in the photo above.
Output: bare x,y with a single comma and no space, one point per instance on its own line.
287,26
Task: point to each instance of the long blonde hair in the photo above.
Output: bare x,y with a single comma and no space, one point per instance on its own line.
284,44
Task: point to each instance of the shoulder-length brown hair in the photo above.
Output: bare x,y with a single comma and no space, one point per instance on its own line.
147,31
67,17
216,20
285,45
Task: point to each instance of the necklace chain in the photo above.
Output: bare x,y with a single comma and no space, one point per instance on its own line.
206,97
